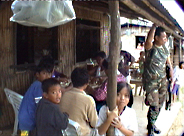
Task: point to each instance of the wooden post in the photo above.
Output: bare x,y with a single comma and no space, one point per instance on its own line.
114,51
180,51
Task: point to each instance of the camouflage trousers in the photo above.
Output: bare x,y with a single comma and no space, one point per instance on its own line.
155,97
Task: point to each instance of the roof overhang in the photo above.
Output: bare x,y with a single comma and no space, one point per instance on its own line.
148,9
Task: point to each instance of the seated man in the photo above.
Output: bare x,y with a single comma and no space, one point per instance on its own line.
80,106
98,69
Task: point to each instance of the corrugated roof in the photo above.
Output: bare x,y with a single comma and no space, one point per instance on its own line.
154,10
148,9
167,14
181,4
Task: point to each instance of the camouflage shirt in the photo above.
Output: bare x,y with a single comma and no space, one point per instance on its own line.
155,63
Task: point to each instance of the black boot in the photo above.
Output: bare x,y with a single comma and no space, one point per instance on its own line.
155,129
150,131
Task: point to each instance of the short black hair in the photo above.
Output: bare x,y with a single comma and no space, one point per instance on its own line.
105,64
159,30
47,83
79,77
180,64
121,85
45,67
122,52
142,52
101,54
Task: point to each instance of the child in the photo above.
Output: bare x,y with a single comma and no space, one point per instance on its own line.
49,119
141,62
123,119
178,81
28,105
80,106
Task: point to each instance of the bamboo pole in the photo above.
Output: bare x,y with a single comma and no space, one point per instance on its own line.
114,51
136,8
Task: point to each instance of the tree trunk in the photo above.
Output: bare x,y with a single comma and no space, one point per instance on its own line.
114,52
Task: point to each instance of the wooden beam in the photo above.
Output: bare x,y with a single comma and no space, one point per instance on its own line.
136,8
114,51
87,27
92,5
156,11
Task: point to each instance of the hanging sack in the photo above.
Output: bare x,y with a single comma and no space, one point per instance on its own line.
46,14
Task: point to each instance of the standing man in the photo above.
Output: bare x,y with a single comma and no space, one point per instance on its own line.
154,75
124,66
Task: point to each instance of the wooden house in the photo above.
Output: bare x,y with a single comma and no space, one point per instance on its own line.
133,35
71,44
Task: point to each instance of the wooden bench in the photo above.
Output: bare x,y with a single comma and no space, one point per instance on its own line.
138,83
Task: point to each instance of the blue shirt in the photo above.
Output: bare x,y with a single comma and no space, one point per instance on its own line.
27,110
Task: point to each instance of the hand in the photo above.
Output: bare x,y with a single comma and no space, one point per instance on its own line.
155,25
116,122
112,114
161,24
93,80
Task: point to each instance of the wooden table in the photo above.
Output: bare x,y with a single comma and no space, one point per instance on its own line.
137,82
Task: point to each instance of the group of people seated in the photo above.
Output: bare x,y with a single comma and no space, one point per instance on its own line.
47,106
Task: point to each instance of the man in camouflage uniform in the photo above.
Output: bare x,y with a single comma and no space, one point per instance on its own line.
154,76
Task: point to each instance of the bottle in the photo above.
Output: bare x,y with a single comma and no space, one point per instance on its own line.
98,72
90,64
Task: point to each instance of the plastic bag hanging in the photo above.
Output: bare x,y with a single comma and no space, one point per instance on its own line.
46,14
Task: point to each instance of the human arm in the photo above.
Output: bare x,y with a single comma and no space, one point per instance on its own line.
116,122
92,71
33,96
91,112
130,59
128,125
104,123
148,44
171,71
60,119
175,73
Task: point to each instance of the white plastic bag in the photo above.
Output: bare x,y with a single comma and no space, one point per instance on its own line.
48,13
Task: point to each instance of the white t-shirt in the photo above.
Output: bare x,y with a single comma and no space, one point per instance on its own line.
128,119
178,75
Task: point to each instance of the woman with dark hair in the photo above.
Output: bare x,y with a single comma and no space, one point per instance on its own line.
122,117
100,93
